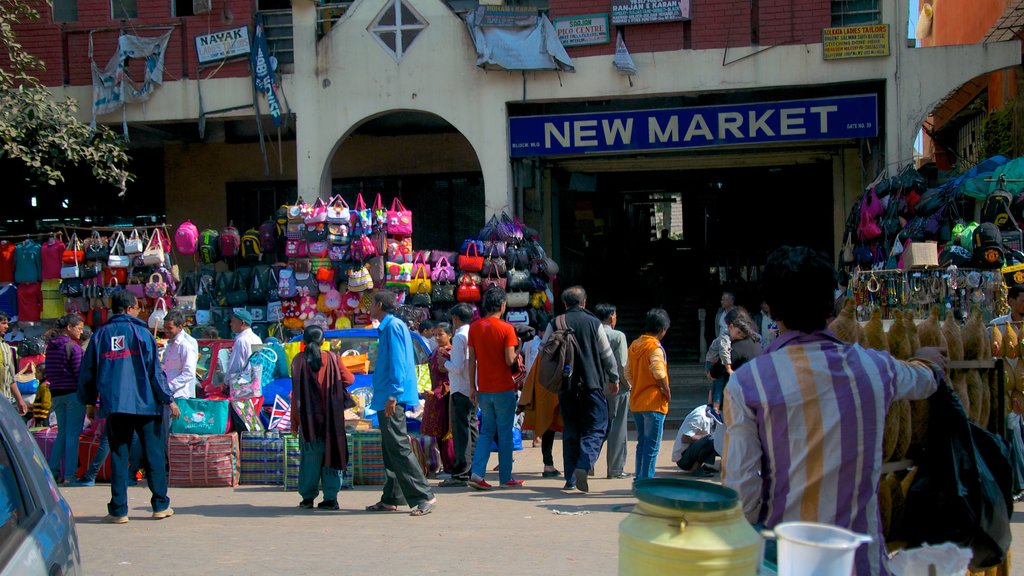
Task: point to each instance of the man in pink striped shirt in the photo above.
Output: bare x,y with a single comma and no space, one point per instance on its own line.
805,420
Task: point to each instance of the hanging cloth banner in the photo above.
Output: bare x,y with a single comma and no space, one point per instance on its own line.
263,76
112,88
534,47
623,61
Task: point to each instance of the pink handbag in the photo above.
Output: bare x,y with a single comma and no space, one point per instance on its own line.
399,219
420,263
443,272
317,212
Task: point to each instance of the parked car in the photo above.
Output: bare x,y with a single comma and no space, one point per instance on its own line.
37,528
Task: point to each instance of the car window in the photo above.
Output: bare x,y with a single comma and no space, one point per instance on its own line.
203,365
12,504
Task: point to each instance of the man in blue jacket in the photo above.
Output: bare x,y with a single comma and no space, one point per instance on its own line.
122,369
394,390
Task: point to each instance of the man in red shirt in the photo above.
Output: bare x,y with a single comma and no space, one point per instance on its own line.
492,349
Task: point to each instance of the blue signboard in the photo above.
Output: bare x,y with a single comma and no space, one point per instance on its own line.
841,117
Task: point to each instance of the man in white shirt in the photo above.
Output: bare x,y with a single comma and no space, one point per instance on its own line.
180,357
241,350
695,443
463,411
1015,299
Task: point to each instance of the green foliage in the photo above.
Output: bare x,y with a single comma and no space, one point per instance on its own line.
41,133
997,132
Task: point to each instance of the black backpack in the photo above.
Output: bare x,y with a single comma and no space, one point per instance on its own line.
997,210
259,285
557,357
988,246
223,285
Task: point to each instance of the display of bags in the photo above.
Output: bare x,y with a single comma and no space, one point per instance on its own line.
399,219
398,275
519,280
73,253
156,287
362,218
493,266
400,251
493,280
338,211
117,258
359,279
442,293
317,213
518,299
201,417
471,260
202,461
96,248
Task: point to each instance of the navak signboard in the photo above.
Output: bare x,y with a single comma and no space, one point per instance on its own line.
840,117
224,44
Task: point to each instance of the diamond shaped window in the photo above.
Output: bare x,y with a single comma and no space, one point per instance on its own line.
397,27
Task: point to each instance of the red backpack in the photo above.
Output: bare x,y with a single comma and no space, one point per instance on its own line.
229,242
186,238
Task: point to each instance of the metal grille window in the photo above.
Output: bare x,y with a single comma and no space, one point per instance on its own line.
123,9
397,27
853,12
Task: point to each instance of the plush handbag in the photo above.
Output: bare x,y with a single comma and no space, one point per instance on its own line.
133,245
442,293
471,260
443,271
317,213
362,218
296,248
399,219
420,282
398,275
337,234
154,255
419,263
318,249
156,287
117,258
518,299
380,215
338,211
400,251
96,248
493,280
359,279
468,291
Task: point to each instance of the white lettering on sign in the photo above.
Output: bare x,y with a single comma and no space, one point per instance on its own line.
551,130
586,132
789,123
616,128
823,111
731,121
222,44
670,134
760,123
698,127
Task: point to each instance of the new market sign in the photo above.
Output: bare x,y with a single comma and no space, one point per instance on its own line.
583,30
840,117
647,11
223,44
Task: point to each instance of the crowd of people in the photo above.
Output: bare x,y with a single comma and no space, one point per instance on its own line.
795,414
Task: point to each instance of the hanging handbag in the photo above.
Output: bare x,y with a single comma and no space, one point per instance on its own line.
362,218
468,290
91,270
493,265
316,233
318,249
399,219
72,288
398,275
420,281
133,245
493,280
442,293
156,317
154,255
338,211
443,271
337,234
337,253
117,258
156,287
295,248
380,215
71,269
297,212
400,251
495,247
518,258
420,299
438,255
419,263
96,247
471,260
185,299
26,379
519,281
317,213
518,299
73,253
359,280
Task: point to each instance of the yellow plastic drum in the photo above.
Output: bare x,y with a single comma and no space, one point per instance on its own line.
683,527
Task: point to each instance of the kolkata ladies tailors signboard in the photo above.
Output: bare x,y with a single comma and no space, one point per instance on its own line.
870,40
836,118
646,11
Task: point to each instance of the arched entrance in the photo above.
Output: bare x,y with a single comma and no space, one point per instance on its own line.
423,160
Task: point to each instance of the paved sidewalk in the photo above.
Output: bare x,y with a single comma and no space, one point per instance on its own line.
260,530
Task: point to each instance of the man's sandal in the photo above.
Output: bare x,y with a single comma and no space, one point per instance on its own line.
423,508
381,507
